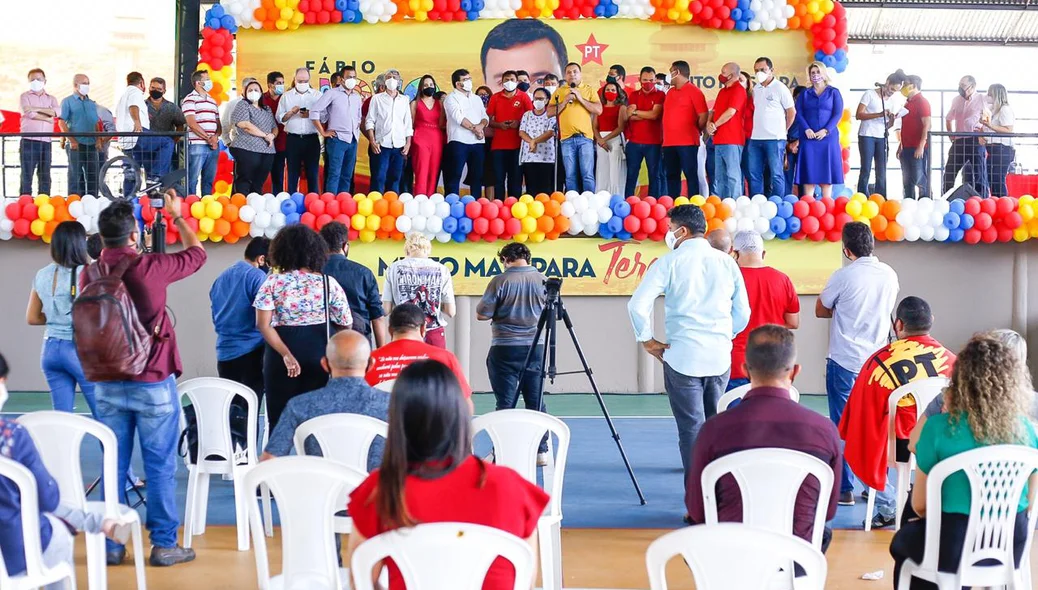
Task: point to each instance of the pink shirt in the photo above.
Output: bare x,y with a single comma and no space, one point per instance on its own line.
964,114
34,122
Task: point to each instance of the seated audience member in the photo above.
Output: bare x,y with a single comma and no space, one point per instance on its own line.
766,418
915,355
369,318
407,328
345,359
720,240
773,300
429,474
94,246
985,403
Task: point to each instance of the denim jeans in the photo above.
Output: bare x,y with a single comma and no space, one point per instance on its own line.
678,159
504,365
35,159
872,149
578,159
767,152
508,181
84,163
838,384
456,156
999,158
62,369
154,154
692,400
153,411
728,170
915,172
636,152
202,161
388,168
341,162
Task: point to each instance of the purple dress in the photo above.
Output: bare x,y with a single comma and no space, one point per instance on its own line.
820,160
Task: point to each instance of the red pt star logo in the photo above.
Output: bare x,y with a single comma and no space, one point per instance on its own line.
591,51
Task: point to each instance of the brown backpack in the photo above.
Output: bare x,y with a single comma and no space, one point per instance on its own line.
112,343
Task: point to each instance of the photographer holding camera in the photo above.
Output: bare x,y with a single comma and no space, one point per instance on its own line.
513,303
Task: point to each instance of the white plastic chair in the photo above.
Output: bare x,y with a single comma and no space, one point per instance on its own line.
516,436
308,491
345,438
924,391
735,556
59,438
443,555
730,396
997,476
769,481
386,386
36,574
211,398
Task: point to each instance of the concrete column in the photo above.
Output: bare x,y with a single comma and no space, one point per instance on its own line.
463,334
1019,311
646,370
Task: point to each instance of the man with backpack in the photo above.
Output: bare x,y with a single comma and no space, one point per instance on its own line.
127,345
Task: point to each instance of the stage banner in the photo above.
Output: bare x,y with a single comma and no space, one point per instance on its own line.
593,266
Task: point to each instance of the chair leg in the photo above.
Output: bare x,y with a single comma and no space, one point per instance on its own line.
870,507
903,473
189,506
241,509
202,507
138,555
547,555
556,548
268,514
97,569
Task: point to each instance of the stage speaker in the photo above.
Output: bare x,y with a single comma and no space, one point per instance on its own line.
963,192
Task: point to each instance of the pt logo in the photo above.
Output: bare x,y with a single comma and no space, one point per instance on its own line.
591,51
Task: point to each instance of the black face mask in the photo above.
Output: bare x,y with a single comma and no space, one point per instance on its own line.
962,92
428,91
610,79
524,86
155,94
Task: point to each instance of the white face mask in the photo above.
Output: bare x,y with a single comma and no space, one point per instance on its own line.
254,96
36,85
551,89
762,77
350,83
392,84
303,86
279,89
538,104
510,85
661,87
3,394
670,239
84,89
466,85
207,85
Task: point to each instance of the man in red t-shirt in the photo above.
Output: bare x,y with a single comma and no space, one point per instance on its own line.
913,150
505,110
773,300
684,116
644,132
728,132
407,327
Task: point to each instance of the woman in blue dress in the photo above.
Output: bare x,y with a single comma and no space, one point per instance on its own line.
819,109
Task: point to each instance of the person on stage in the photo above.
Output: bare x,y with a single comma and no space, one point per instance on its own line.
818,111
537,152
644,133
466,127
574,105
302,146
389,129
684,117
506,109
430,124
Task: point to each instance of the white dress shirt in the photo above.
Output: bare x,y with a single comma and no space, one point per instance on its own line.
460,106
705,305
769,110
862,296
132,97
390,118
298,124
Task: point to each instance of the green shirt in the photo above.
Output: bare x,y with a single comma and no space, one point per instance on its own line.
945,437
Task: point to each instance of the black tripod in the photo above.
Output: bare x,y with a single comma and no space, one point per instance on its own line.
553,311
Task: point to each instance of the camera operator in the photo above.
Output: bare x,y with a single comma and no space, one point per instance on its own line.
513,303
146,402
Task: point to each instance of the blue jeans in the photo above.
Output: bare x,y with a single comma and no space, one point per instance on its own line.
387,168
578,159
341,162
792,160
455,157
728,170
504,368
692,400
154,154
915,172
61,367
636,152
202,161
678,159
872,149
84,163
838,384
508,179
153,411
35,159
770,152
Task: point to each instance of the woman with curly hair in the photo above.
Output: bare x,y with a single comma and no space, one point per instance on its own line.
297,309
986,404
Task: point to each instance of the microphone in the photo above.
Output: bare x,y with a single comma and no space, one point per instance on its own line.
879,85
572,84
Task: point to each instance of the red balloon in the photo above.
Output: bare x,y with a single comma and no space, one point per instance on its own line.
491,210
316,207
343,219
512,226
989,206
1005,206
982,221
972,236
497,227
833,236
818,236
21,228
989,235
659,212
13,211
30,211
480,225
641,210
666,202
354,235
801,209
333,208
842,219
810,225
640,236
510,201
818,209
631,200
308,219
348,207
24,200
1013,220
322,221
972,205
473,210
827,222
632,223
1005,234
650,225
310,198
840,205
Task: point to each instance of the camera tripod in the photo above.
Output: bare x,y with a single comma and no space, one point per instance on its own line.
154,189
554,311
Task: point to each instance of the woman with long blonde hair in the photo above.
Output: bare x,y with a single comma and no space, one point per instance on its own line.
819,109
424,282
1001,152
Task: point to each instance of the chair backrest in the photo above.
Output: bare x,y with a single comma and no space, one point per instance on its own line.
516,436
730,396
59,438
734,556
769,481
211,398
308,491
345,438
924,391
386,386
24,480
443,555
997,476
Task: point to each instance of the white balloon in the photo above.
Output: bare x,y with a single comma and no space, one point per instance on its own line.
270,232
936,218
443,237
788,11
90,208
86,221
75,209
442,210
942,206
418,223
729,202
909,205
411,208
568,210
925,204
753,211
759,199
570,195
262,220
591,229
437,198
590,196
744,225
927,233
246,213
434,225
6,235
768,235
904,218
283,196
604,214
580,204
912,233
756,5
769,25
403,224
427,209
589,216
742,202
761,225
421,198
6,225
103,203
769,210
754,25
576,226
278,220
731,224
88,199
941,233
271,205
405,197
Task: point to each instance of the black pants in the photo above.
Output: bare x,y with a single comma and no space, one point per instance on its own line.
999,158
247,370
277,173
967,151
307,344
506,174
540,178
250,170
303,152
455,156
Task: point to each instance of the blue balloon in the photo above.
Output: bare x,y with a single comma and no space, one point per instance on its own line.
736,14
213,23
615,224
452,199
288,206
465,225
450,225
623,235
951,220
621,209
348,16
785,210
957,206
291,218
778,224
600,11
457,210
819,55
341,5
137,211
956,235
612,10
965,221
299,199
217,10
791,199
793,225
605,232
466,5
459,237
472,15
840,55
468,199
615,199
227,21
741,26
776,199
844,191
829,61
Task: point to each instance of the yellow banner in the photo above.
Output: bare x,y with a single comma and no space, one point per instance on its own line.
593,266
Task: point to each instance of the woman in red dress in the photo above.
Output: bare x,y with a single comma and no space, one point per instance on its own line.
430,121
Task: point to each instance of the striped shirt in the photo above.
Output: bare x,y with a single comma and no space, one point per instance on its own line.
513,301
203,108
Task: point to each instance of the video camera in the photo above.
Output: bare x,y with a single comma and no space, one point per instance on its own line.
552,288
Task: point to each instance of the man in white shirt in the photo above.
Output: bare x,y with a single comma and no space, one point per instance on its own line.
389,129
302,148
859,299
772,115
153,153
705,306
466,122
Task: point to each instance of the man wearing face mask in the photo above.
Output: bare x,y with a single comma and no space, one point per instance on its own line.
165,116
390,129
705,305
506,110
466,123
272,99
203,120
574,105
967,109
644,132
302,147
618,74
524,83
79,114
38,112
153,152
684,116
728,132
913,149
773,113
341,130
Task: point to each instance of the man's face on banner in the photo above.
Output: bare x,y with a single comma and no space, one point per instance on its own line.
538,58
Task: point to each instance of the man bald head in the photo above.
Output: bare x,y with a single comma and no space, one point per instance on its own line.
347,354
720,239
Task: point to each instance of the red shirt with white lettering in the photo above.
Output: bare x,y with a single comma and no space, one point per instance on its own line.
389,360
771,296
733,131
508,108
681,110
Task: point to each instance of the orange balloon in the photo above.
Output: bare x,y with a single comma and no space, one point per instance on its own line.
552,209
397,236
542,198
396,208
890,209
552,235
895,232
558,197
57,202
546,224
390,196
388,224
238,199
879,225
222,227
72,198
231,238
230,212
713,224
723,212
561,225
709,210
877,199
383,234
223,201
380,207
50,227
714,200
239,228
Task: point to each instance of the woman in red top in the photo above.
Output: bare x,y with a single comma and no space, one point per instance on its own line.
430,120
429,474
611,174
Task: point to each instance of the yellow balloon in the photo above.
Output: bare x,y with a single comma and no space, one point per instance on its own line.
529,225
536,209
365,207
206,225
681,201
537,237
298,18
854,208
860,197
46,212
281,25
47,238
280,3
207,198
521,238
37,227
870,209
1028,199
203,237
526,199
367,236
215,238
519,210
1026,210
375,195
214,210
1032,228
697,200
198,209
673,14
40,200
373,222
421,16
1021,234
358,221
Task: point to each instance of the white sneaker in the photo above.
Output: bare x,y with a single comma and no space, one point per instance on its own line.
542,459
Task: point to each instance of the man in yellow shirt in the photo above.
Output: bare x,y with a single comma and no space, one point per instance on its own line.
575,104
